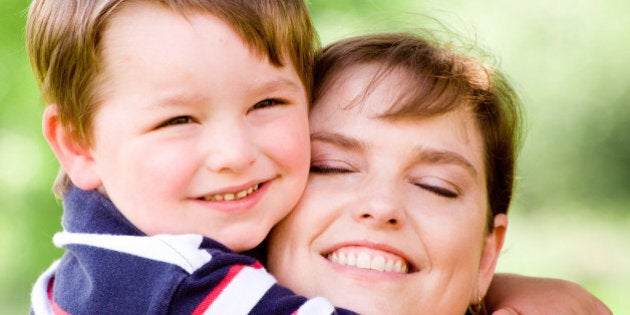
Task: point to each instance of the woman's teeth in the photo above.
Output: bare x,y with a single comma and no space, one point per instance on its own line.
366,261
232,196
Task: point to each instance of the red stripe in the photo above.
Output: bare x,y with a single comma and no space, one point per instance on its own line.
56,308
207,301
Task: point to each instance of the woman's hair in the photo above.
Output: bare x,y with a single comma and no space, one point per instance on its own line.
63,40
440,81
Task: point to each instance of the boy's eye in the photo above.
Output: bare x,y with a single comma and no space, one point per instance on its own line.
267,103
179,120
438,190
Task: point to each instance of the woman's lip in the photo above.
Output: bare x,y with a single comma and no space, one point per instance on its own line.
370,256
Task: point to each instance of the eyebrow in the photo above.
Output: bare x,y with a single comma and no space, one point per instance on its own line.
182,98
176,100
278,84
339,140
445,157
422,154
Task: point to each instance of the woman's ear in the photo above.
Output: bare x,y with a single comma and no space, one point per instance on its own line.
75,157
490,254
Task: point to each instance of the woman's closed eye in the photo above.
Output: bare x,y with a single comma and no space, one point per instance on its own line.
439,190
329,169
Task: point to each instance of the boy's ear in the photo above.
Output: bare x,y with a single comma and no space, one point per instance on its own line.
75,158
490,255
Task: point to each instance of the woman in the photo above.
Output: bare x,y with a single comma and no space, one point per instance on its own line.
413,154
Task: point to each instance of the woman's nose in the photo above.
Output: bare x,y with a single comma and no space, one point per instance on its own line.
379,209
230,149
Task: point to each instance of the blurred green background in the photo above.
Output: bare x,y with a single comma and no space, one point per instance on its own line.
567,59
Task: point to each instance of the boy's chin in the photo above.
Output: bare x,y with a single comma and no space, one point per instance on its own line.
245,244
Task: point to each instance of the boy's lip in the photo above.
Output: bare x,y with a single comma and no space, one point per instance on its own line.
370,256
230,196
234,190
234,199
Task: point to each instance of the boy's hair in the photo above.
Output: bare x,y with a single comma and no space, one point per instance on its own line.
440,81
63,40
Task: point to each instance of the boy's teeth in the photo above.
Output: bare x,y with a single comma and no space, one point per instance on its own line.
231,196
242,194
364,260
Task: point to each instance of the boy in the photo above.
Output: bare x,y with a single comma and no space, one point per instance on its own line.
181,128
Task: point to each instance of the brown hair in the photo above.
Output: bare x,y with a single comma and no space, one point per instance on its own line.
63,44
441,80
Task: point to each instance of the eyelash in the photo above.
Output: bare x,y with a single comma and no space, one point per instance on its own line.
267,103
442,192
328,170
179,120
439,191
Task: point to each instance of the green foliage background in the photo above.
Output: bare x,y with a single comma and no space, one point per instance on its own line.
567,59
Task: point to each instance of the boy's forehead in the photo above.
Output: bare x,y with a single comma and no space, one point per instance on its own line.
127,16
161,58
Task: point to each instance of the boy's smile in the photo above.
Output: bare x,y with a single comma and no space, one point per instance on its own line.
237,201
196,133
231,196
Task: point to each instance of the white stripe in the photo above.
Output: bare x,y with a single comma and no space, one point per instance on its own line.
40,303
180,250
243,292
317,305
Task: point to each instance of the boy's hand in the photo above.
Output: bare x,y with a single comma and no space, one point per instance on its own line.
511,294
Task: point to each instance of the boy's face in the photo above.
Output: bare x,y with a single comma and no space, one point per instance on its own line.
196,134
393,217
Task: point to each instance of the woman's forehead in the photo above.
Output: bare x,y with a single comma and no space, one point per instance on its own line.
365,86
391,93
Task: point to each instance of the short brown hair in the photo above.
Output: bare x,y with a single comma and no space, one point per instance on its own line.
441,80
63,44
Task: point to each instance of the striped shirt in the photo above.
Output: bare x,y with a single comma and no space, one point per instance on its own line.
110,267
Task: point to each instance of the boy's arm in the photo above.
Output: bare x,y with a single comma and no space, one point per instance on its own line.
231,284
517,294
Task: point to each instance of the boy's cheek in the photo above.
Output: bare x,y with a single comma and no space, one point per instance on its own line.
292,143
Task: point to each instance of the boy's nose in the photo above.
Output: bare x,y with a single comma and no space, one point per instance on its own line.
230,150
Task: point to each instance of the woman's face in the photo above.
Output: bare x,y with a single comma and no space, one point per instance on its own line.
393,217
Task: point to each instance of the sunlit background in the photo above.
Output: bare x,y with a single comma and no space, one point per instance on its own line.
569,60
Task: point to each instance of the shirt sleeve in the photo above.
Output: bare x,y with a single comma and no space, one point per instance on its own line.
235,284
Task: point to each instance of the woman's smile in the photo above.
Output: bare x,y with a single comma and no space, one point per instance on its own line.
363,257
